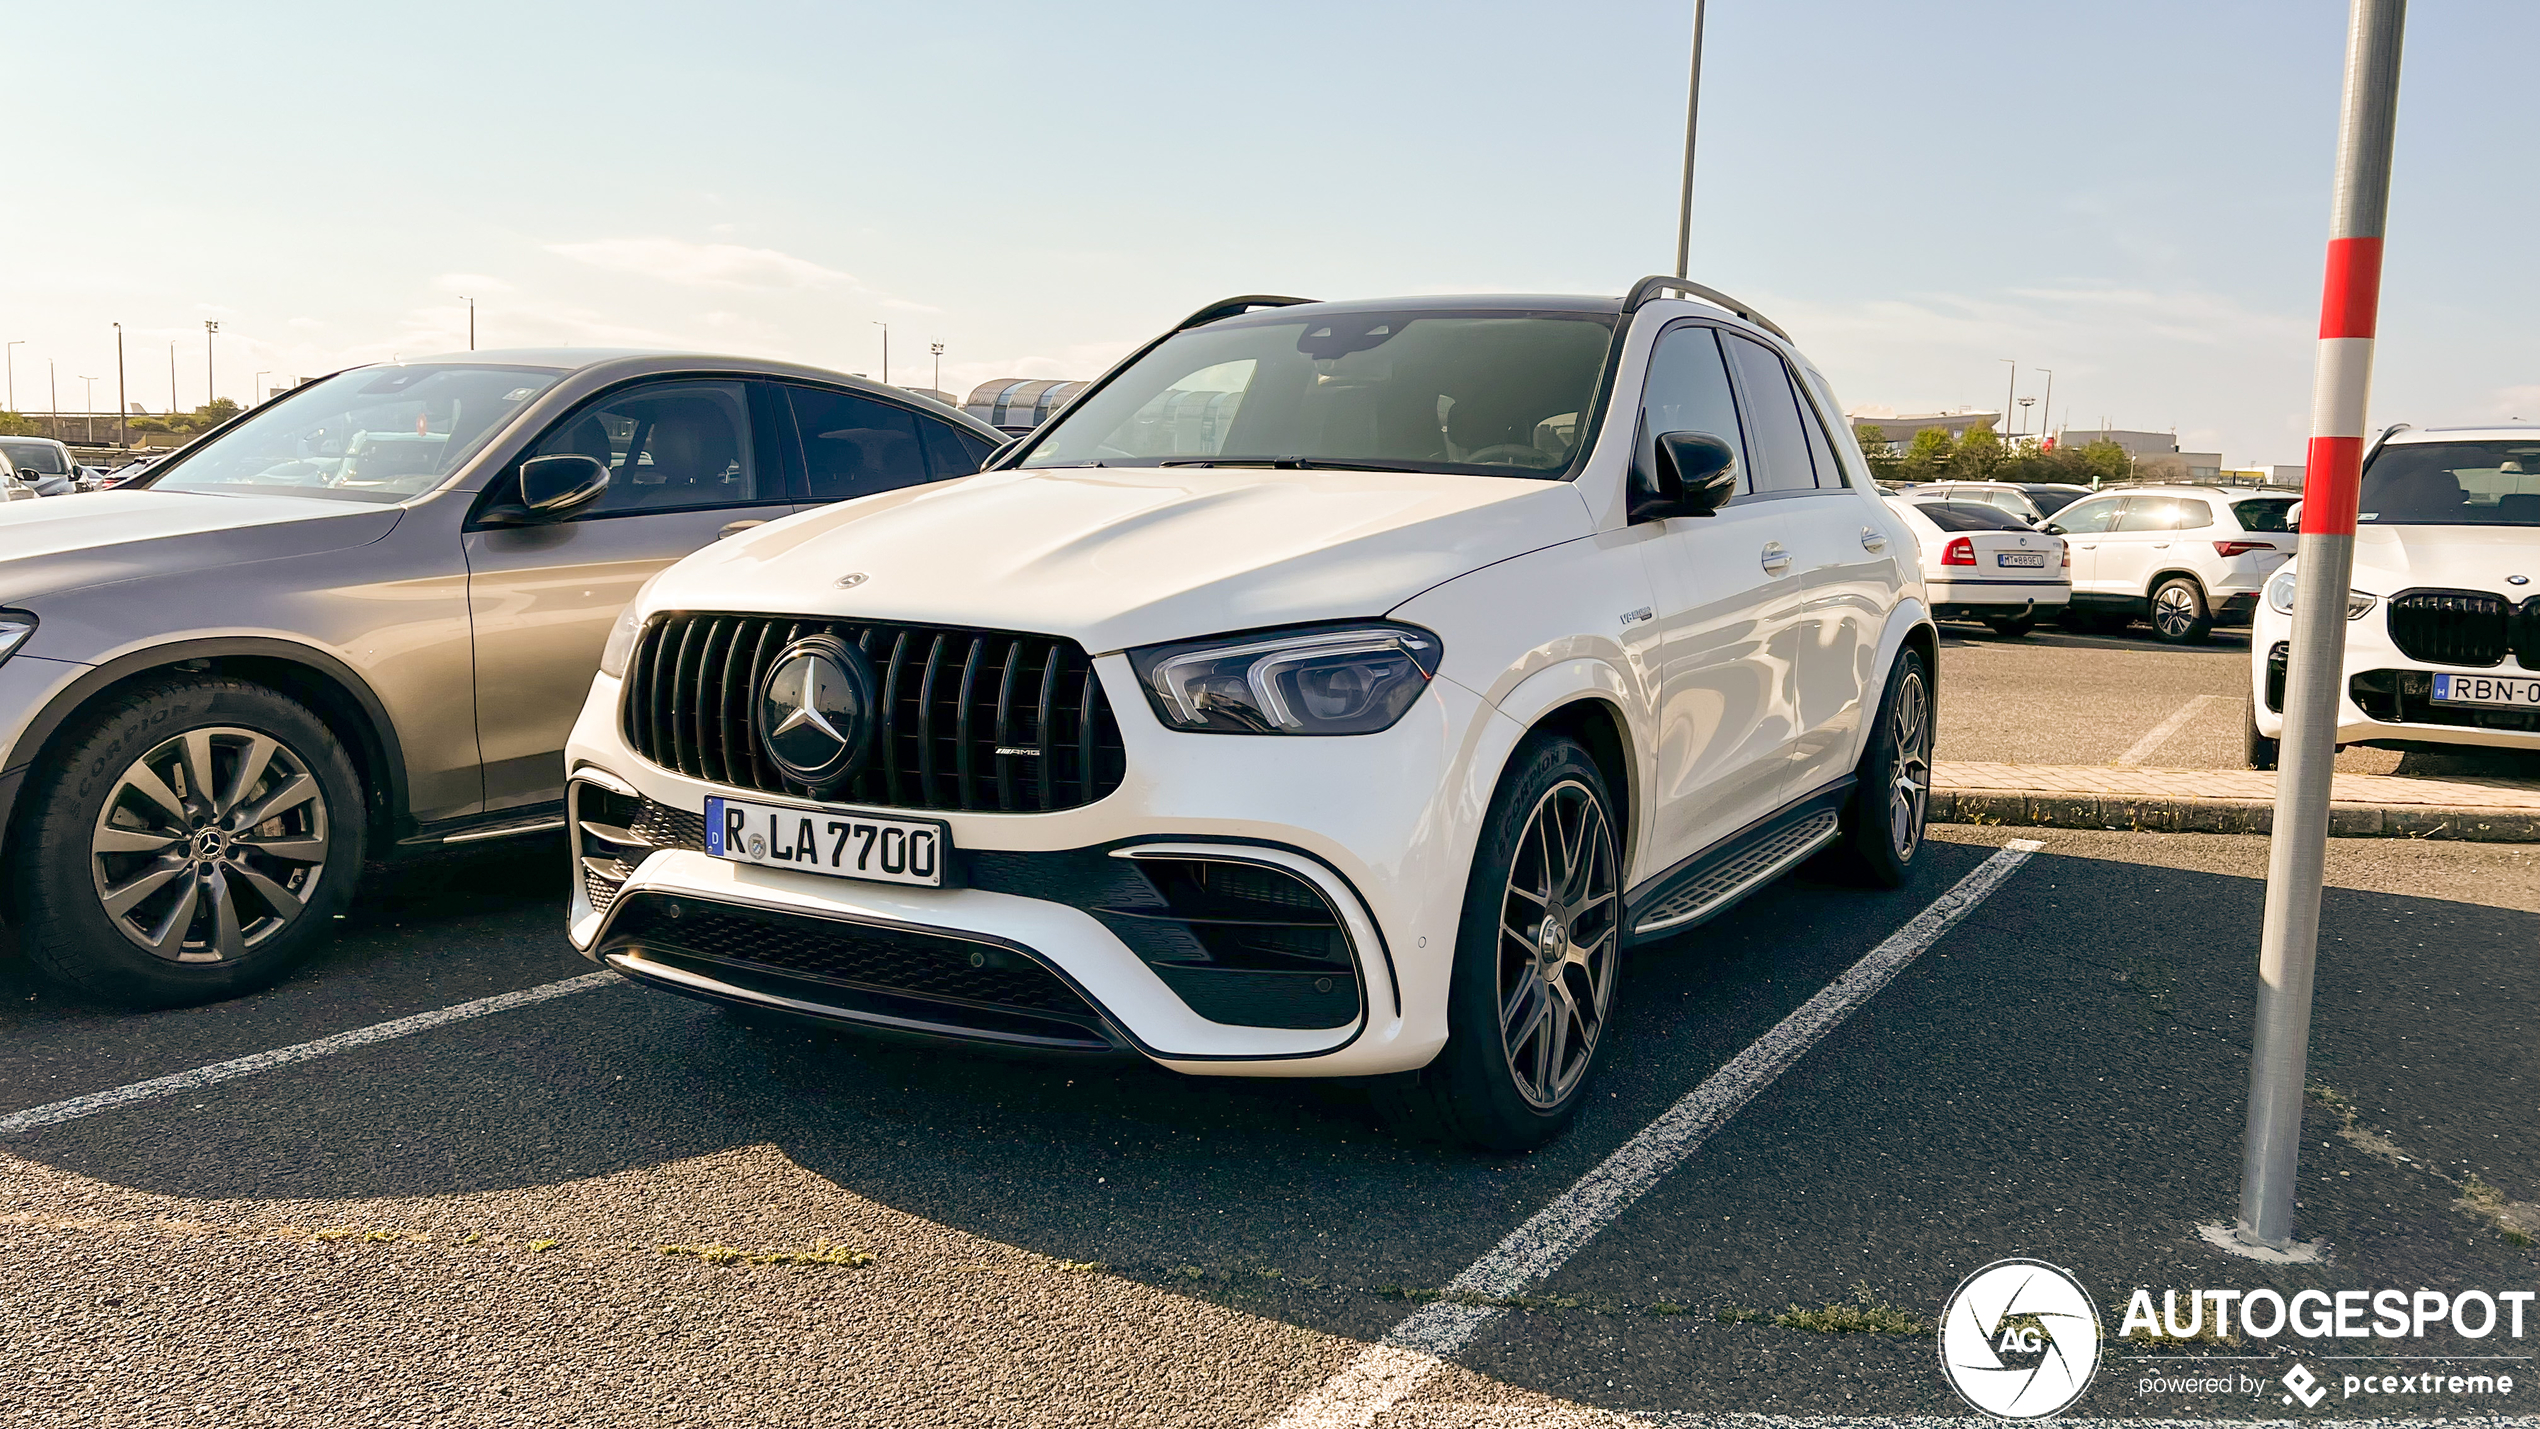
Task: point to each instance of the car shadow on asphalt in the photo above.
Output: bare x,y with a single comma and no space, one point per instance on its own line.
2062,1076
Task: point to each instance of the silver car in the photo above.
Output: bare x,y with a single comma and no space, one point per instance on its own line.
357,622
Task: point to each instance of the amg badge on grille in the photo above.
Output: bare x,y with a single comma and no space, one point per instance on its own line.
816,709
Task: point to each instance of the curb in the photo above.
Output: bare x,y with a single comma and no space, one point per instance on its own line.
2132,813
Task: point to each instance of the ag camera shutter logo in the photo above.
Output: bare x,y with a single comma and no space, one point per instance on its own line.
2019,1339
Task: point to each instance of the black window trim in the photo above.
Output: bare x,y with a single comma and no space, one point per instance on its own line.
498,490
1737,385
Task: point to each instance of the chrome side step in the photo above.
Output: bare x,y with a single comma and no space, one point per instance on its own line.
534,826
1733,877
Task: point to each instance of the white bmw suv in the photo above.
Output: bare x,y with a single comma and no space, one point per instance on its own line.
2443,633
1333,689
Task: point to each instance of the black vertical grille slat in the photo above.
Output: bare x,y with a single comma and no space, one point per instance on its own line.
963,794
1046,767
2526,633
1005,722
951,698
2450,627
887,738
926,722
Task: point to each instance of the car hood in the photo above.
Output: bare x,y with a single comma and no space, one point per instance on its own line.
89,538
2390,559
1115,557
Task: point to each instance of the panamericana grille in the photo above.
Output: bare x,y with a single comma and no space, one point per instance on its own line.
969,720
2451,627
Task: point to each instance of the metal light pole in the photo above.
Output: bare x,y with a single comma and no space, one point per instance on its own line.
2011,396
53,385
123,405
2025,404
88,403
2350,304
210,392
171,379
471,323
1693,114
886,350
255,392
11,352
2046,410
937,349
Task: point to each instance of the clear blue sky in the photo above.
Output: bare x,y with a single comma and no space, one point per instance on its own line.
2132,195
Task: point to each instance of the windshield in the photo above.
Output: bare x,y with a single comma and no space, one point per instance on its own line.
378,434
1484,393
2494,483
36,457
2051,499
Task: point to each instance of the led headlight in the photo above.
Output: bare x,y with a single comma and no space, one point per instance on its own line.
15,627
630,623
2280,596
1336,679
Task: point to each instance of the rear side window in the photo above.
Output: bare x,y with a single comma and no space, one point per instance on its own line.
1967,516
2262,515
1830,473
854,446
1779,444
2089,518
2149,513
950,451
1689,392
2193,514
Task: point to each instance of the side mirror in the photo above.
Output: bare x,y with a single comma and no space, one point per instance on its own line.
2293,517
553,485
1696,476
2051,529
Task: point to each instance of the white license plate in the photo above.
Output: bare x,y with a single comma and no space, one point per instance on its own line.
2031,559
846,842
2508,691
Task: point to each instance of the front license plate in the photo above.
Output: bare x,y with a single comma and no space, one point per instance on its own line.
2031,559
844,842
2508,691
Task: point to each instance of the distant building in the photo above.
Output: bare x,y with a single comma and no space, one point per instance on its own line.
1901,427
2285,475
2156,454
1017,404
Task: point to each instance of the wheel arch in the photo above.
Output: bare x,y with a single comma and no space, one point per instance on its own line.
2163,577
1590,701
338,695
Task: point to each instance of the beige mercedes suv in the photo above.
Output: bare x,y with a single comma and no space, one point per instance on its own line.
357,622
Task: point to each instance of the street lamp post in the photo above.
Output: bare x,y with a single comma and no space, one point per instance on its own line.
1693,111
171,380
88,411
210,392
255,392
937,349
886,351
11,351
123,406
2046,413
2011,396
2025,404
471,322
53,385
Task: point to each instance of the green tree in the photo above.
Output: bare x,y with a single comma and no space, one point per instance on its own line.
1885,462
1927,456
2106,462
1979,454
13,425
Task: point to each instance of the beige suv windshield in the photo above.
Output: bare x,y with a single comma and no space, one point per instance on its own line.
375,434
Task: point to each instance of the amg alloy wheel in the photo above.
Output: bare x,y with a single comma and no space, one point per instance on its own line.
209,845
1891,797
1558,941
1908,739
188,840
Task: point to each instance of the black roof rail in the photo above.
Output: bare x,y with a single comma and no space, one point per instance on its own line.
1651,286
1236,307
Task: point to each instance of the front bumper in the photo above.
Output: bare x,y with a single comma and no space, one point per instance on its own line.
2384,695
1380,826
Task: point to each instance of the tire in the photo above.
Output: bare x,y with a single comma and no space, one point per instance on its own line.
1558,986
2256,750
1891,803
2015,628
132,880
2179,613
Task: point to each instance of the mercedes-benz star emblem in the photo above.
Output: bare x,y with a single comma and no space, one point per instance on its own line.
852,579
815,710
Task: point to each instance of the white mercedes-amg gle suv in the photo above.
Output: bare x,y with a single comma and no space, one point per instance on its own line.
1333,689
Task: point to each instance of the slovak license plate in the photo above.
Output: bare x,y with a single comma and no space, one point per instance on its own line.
2031,559
844,842
2508,691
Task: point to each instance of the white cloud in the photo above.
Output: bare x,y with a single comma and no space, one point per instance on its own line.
2516,403
304,323
703,265
903,305
475,283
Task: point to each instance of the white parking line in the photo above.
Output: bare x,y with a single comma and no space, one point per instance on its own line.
2160,735
175,1082
1385,1372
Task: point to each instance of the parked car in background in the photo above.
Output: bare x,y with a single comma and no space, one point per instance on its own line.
2052,496
125,474
1352,727
2008,497
2443,618
186,806
11,488
43,464
1983,563
2185,558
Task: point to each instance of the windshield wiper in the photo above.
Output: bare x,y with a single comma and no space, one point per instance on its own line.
1288,463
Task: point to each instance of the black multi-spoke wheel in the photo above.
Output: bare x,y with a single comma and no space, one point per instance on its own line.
190,843
1891,800
1533,984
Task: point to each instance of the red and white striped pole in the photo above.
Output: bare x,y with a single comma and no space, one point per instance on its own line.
2349,308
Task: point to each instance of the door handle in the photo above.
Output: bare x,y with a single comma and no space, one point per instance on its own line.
1872,541
2160,545
737,527
1776,560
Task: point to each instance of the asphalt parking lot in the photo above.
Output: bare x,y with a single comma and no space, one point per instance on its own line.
2057,697
466,1225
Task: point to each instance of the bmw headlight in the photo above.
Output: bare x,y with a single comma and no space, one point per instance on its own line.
2280,596
630,623
1337,679
15,627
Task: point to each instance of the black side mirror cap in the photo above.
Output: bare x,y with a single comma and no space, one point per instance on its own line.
553,485
1696,476
2051,529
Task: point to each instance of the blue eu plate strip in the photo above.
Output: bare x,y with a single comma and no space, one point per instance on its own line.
714,827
